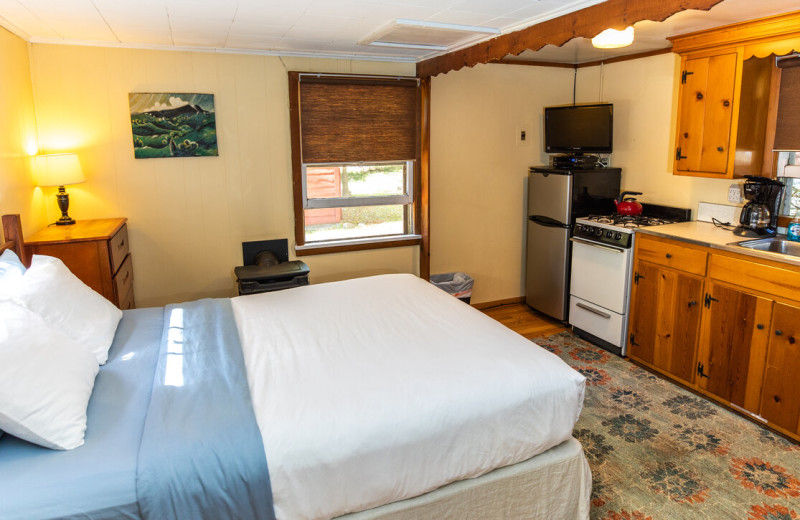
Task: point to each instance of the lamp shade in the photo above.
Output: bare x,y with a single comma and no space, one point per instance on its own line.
58,169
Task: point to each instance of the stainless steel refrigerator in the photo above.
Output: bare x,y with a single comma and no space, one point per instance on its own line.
555,199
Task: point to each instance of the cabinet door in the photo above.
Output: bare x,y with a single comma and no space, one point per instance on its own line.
780,401
665,319
705,118
734,346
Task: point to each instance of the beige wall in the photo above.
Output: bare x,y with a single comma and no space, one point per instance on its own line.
188,216
645,103
18,142
479,171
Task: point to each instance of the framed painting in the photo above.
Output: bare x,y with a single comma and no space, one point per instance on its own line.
173,125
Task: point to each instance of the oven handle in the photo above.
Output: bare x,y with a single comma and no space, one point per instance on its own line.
593,310
595,244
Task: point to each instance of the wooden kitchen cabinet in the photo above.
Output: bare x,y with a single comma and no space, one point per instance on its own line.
780,399
96,251
707,95
733,347
726,96
665,308
722,323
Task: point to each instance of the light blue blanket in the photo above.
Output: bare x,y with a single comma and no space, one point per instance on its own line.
201,454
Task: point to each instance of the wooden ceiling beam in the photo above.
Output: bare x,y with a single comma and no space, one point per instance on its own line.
588,22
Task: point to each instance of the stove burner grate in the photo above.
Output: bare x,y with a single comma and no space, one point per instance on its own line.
628,221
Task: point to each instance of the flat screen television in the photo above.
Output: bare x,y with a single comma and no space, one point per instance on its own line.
579,129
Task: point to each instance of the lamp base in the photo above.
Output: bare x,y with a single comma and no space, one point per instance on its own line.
63,205
68,221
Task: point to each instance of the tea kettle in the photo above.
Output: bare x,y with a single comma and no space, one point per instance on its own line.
628,206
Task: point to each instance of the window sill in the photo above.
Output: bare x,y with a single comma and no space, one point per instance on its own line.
357,244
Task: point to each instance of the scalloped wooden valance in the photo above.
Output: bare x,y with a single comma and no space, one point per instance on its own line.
588,23
779,35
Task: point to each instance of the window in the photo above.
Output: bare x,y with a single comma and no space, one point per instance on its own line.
355,148
790,206
787,133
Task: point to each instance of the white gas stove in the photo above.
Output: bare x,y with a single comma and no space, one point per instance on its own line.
602,259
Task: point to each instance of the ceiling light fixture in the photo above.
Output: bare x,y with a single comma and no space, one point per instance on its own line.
613,39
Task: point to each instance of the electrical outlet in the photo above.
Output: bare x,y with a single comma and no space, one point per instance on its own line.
735,193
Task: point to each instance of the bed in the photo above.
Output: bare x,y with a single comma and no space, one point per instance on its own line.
380,397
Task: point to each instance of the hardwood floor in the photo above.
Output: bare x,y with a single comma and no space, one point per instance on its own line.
525,321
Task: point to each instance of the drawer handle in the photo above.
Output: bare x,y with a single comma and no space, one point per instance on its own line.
127,275
669,255
779,332
594,311
121,244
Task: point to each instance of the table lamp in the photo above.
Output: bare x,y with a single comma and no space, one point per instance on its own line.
59,170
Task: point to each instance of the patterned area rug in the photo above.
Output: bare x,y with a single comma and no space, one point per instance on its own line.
660,452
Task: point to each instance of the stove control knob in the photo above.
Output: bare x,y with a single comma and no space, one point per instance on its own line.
598,232
609,234
618,236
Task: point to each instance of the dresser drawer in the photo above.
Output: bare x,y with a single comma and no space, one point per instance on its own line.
127,302
123,281
671,254
118,248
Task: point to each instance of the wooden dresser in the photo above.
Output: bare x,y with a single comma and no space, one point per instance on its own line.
96,251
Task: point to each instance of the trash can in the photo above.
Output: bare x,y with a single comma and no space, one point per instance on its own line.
457,284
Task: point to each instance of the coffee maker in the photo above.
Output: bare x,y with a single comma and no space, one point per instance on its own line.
760,215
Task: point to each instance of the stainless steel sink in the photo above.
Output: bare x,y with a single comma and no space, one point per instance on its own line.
772,245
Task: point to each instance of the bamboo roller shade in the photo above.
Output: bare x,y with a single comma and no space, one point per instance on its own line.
358,121
787,130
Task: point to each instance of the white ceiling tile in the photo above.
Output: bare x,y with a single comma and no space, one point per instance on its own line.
284,13
329,26
220,9
459,17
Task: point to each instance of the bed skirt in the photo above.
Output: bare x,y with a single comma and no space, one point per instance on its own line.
554,485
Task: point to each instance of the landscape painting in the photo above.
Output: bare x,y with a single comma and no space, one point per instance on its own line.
173,125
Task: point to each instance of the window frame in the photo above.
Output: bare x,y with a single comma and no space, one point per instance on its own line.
412,199
349,202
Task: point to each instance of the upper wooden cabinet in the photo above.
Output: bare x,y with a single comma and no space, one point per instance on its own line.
727,95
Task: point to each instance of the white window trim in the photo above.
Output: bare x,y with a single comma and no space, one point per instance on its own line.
355,242
347,202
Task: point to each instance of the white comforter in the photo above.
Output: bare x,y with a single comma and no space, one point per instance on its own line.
378,389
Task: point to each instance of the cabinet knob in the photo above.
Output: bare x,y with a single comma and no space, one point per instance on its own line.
720,149
669,255
699,95
779,332
760,326
692,303
726,103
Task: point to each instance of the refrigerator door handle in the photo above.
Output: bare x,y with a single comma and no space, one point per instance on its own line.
546,221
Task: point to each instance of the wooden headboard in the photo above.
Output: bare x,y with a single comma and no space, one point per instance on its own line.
12,231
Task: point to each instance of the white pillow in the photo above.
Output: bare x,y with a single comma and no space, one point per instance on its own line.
46,380
50,290
10,266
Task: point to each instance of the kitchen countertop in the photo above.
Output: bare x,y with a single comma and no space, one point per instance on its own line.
709,235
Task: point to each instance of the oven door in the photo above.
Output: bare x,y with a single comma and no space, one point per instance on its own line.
601,274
